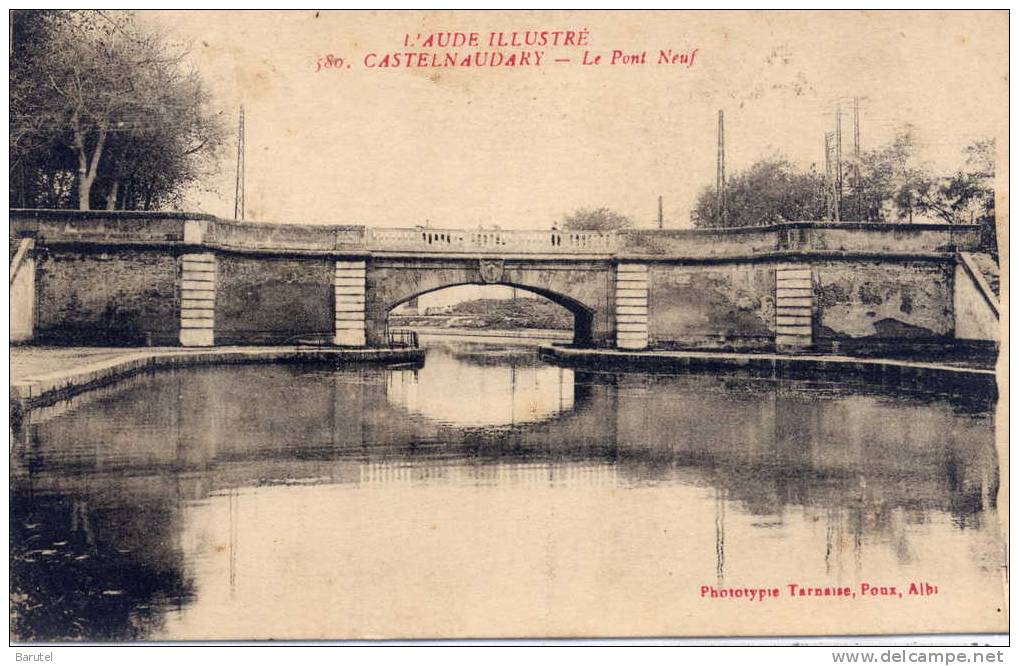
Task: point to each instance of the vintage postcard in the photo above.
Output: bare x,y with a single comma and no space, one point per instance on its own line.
336,325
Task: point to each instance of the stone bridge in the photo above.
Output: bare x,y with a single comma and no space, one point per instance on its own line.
175,278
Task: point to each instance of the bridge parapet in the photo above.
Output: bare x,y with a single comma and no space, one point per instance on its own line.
799,237
101,226
231,234
491,240
141,227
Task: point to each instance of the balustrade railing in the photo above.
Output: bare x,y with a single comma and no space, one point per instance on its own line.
481,240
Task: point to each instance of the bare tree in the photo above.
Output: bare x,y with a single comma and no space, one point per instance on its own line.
123,104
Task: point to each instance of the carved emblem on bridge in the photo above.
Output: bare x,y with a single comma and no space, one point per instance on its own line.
491,270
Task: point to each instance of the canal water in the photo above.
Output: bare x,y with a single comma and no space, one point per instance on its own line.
489,493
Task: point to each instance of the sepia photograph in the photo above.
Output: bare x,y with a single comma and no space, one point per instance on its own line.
462,325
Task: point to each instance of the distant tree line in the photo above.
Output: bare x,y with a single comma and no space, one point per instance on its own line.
499,314
594,219
885,185
104,114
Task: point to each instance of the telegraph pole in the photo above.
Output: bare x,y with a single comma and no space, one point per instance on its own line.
720,176
857,194
838,163
661,217
829,181
239,187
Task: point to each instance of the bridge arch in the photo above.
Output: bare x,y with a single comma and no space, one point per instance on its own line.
583,316
584,291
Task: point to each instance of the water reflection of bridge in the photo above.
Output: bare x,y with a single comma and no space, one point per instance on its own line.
541,473
861,469
768,441
517,389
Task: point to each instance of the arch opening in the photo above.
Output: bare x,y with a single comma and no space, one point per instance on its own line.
490,309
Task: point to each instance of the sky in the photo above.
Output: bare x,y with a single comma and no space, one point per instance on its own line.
518,148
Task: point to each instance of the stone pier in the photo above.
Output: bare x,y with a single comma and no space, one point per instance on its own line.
631,306
198,300
794,306
22,292
349,288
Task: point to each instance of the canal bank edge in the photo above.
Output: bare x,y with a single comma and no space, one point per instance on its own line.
882,372
46,389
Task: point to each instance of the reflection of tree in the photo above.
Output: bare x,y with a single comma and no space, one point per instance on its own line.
767,444
85,573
